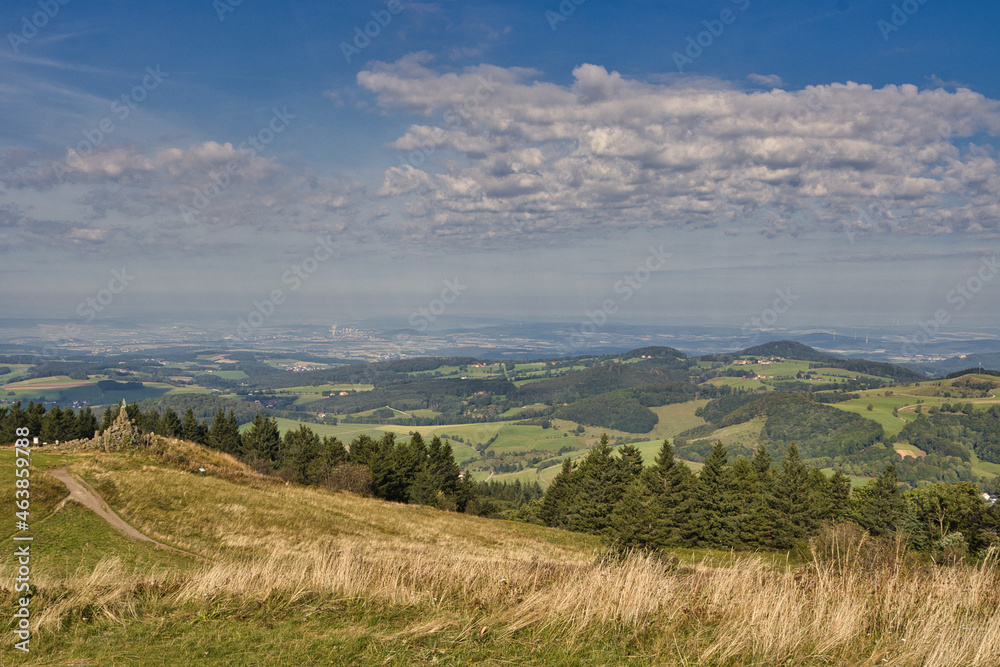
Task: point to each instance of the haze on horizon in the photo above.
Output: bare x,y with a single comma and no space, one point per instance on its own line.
680,163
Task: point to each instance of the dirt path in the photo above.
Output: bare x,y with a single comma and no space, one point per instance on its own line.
85,494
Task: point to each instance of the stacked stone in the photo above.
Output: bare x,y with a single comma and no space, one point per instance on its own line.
122,434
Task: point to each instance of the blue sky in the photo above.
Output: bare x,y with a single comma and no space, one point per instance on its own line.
538,153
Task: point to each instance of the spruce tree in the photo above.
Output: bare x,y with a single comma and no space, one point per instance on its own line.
631,461
262,440
554,510
634,519
601,484
745,490
712,522
878,506
792,501
840,495
171,423
189,427
86,424
224,434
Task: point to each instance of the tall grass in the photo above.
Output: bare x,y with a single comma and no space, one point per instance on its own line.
290,555
750,612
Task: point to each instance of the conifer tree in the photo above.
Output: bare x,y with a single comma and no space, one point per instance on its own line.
86,424
107,419
840,495
554,510
712,520
601,483
224,434
745,490
766,518
262,440
633,522
631,461
171,423
878,505
792,501
672,486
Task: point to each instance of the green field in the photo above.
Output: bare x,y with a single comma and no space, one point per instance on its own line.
677,418
40,388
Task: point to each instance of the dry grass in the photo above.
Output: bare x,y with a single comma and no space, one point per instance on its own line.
296,552
754,613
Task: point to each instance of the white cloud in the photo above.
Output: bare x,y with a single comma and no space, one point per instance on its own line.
607,152
155,194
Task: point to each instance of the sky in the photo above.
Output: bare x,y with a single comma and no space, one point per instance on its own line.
828,163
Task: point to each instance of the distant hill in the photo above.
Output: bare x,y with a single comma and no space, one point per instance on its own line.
788,349
654,352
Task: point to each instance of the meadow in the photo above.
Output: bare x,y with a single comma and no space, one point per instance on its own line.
302,576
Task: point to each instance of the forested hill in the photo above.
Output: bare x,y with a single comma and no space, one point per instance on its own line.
788,349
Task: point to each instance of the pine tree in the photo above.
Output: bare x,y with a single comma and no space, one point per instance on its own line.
840,495
224,434
262,440
86,424
746,495
601,484
792,502
712,520
561,493
171,423
878,505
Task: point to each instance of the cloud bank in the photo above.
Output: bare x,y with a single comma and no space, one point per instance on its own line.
504,156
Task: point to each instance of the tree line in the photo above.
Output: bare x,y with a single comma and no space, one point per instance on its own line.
751,504
414,471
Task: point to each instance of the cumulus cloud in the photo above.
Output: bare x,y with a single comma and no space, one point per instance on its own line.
772,80
499,154
155,194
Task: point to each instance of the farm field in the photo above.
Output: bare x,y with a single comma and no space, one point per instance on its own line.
67,390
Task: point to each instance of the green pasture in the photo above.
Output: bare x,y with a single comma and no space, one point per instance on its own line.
881,412
738,383
676,418
89,391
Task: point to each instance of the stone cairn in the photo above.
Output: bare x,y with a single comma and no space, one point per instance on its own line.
122,434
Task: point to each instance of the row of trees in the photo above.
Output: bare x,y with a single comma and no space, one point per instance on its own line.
48,425
751,504
411,472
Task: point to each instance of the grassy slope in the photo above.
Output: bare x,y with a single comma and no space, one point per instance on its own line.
307,577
